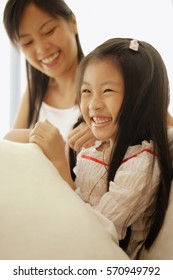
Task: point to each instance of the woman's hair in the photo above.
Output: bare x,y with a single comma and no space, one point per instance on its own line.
143,114
12,16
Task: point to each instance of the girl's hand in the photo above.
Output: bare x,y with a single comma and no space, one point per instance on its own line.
81,136
51,142
49,139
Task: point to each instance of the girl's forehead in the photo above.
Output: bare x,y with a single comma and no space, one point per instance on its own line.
108,59
102,71
107,62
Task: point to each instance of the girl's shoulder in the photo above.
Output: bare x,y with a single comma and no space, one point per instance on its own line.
140,149
102,150
140,157
99,149
96,156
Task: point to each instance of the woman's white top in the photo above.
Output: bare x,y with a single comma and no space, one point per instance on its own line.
63,119
131,197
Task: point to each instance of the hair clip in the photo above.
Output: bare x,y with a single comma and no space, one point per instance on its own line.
134,45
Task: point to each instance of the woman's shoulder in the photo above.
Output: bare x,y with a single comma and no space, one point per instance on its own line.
55,114
47,107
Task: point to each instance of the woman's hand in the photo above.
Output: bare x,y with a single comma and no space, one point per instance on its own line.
81,136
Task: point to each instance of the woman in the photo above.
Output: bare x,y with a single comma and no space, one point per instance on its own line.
46,32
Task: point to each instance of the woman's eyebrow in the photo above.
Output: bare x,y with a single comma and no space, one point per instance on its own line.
49,20
41,27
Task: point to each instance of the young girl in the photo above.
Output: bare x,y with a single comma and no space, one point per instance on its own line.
46,33
124,94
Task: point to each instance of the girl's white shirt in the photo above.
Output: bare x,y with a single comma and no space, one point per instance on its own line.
131,197
63,119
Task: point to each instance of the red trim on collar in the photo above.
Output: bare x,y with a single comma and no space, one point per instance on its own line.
95,160
124,160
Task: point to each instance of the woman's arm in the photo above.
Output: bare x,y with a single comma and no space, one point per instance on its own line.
20,131
18,135
170,120
21,119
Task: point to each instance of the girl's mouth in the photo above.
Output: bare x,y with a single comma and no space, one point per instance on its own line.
100,121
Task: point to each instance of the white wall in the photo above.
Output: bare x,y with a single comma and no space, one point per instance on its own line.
4,76
99,20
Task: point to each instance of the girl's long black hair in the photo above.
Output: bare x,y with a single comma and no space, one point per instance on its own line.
37,81
143,115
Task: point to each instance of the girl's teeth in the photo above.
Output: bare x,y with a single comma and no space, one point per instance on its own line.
101,120
50,59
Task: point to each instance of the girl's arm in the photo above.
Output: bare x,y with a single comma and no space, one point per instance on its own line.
51,142
131,192
81,136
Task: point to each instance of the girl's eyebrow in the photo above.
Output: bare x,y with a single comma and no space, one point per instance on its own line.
109,82
85,83
103,83
41,27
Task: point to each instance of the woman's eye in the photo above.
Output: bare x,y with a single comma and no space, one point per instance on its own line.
51,31
26,44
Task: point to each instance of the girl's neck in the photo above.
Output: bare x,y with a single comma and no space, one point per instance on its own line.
104,145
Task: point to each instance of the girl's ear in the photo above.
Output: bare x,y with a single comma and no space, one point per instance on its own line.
74,24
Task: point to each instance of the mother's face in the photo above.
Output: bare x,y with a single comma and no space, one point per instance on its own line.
48,43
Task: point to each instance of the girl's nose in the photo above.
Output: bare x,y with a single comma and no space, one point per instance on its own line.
95,103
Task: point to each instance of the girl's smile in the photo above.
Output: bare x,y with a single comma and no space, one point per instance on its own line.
100,121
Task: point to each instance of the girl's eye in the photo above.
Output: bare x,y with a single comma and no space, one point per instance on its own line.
85,91
107,90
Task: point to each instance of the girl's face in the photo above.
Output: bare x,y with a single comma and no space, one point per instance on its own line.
48,44
102,93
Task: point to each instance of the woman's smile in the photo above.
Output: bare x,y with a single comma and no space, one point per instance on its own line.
51,61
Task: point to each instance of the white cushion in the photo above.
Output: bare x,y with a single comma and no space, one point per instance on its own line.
41,217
